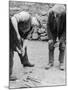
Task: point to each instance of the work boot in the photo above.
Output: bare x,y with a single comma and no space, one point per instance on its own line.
61,66
49,66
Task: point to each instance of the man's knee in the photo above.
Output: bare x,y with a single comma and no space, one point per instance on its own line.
51,44
62,46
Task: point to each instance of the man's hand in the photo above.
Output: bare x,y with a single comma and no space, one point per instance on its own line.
18,36
23,51
24,46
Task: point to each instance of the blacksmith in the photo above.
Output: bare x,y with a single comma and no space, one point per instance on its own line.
20,26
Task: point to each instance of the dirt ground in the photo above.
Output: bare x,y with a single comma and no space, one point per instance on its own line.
37,75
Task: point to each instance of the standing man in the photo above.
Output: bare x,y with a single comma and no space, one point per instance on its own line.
56,27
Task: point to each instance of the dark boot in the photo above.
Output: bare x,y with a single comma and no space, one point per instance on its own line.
24,59
61,66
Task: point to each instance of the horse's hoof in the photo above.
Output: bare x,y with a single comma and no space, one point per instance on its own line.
28,65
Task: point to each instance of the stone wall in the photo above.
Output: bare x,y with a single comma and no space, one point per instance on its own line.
35,9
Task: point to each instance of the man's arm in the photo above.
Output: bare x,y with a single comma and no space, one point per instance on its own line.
14,22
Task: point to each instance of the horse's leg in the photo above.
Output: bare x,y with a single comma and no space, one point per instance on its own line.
11,62
22,52
24,59
11,78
